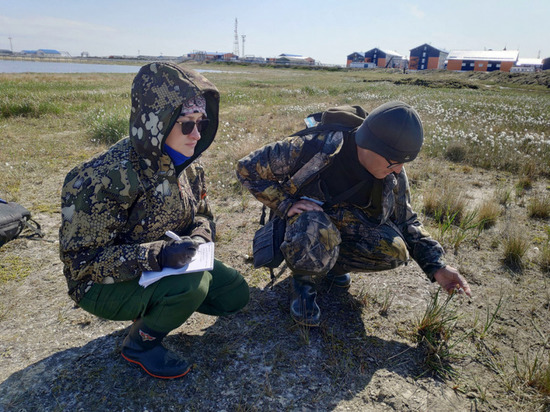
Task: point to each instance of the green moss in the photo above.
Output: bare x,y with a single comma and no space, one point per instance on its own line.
13,268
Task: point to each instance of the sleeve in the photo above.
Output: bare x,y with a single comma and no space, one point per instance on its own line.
94,213
263,171
425,250
203,223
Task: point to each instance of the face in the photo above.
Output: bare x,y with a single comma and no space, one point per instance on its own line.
377,165
184,143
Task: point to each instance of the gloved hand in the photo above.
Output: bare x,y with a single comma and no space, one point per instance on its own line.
178,253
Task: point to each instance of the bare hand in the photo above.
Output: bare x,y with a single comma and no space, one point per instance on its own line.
303,206
452,281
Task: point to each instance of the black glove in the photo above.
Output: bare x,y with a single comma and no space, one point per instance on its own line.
178,253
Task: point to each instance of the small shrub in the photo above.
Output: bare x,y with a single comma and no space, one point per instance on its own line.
539,207
456,152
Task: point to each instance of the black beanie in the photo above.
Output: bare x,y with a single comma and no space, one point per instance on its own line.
392,130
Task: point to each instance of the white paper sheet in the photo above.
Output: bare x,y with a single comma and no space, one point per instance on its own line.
203,260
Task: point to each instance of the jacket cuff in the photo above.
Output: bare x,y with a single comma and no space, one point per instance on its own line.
148,256
431,269
284,206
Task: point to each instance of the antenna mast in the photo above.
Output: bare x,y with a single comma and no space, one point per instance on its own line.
243,36
236,42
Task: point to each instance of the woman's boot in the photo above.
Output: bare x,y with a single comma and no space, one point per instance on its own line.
143,347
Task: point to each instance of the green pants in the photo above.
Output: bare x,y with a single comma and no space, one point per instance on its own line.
169,302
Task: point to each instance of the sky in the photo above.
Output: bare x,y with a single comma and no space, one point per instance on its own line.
326,30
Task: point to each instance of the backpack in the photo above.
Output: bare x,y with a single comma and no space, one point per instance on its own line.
14,218
270,236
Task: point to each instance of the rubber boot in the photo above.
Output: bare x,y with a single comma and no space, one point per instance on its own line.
340,281
143,347
303,306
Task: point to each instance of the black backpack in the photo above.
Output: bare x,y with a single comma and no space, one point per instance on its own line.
14,218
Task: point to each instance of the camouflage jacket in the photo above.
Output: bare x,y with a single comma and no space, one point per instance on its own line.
117,206
278,174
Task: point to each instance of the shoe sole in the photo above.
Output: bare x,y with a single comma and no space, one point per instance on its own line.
152,374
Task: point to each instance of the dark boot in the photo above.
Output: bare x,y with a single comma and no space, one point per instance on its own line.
143,347
303,307
340,281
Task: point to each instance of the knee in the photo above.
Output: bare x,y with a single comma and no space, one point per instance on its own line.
311,244
190,288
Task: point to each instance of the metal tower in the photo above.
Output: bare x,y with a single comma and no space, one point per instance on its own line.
243,36
236,42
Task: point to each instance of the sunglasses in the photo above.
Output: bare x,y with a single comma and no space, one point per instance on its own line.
188,126
391,164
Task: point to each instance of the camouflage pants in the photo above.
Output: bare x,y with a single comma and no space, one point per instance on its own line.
341,240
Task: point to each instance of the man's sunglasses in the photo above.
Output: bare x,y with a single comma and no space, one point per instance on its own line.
391,164
188,126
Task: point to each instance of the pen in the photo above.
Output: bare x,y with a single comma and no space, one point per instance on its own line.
172,235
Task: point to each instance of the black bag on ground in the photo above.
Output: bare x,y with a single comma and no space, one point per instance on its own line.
13,219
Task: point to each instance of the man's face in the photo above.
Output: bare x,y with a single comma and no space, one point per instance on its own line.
377,165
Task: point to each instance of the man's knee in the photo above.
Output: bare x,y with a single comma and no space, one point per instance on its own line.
312,243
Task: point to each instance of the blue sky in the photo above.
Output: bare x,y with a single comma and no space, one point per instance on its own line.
327,30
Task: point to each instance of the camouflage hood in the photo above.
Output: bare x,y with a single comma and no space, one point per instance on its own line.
158,93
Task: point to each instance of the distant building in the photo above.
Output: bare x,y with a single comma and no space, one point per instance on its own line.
546,64
293,59
5,52
426,57
201,56
482,61
44,53
385,58
355,59
527,66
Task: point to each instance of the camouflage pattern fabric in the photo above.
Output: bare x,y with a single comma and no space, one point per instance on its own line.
277,177
117,206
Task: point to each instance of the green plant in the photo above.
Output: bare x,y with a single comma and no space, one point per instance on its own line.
489,319
534,373
503,196
386,302
108,128
434,331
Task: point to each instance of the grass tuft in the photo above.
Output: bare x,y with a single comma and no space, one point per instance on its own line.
515,248
538,207
434,332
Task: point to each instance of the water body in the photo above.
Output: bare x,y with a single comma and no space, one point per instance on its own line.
27,66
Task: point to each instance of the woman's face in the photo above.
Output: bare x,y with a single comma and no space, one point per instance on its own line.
184,143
